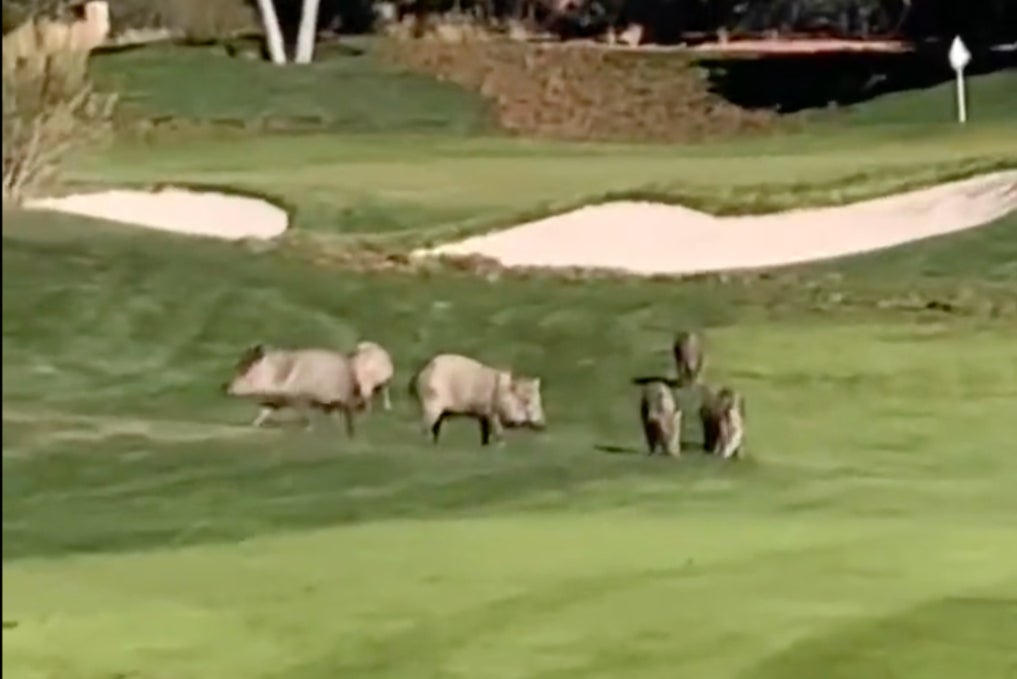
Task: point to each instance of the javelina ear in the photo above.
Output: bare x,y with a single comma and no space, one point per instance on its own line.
254,349
250,356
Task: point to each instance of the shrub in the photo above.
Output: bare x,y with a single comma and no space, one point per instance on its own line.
17,12
49,109
194,21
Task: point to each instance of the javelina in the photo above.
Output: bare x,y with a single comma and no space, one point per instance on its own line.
688,356
661,419
454,385
373,370
303,379
723,418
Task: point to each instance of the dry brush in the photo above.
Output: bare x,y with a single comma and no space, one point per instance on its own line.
50,107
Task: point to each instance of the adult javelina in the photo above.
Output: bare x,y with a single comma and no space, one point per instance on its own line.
723,418
688,356
303,379
450,384
373,371
661,419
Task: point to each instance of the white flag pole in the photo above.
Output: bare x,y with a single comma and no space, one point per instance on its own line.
962,103
960,57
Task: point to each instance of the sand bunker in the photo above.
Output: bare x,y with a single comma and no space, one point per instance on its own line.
652,238
196,213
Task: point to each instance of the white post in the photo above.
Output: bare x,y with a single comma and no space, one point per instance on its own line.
273,34
307,32
960,57
962,103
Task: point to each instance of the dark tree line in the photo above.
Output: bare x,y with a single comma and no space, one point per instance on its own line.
980,22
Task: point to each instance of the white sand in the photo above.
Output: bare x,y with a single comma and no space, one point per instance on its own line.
651,238
193,213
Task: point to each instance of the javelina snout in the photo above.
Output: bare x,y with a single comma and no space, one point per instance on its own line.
236,387
527,405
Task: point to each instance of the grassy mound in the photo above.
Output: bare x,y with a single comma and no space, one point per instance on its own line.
876,483
584,93
409,190
342,91
111,371
991,100
370,85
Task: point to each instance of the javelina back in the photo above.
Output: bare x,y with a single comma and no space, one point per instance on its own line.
373,371
688,356
661,419
454,385
723,418
303,379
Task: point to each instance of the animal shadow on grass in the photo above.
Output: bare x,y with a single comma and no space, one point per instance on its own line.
647,379
692,447
611,449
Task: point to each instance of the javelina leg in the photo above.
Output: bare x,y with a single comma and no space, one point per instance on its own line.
432,419
674,441
436,428
369,400
485,431
732,445
304,409
709,437
263,414
490,427
650,434
347,416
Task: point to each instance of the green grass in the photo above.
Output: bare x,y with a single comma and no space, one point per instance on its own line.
353,94
351,91
602,595
872,514
990,99
149,532
428,188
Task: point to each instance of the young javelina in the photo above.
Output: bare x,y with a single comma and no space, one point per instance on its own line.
661,419
454,385
373,371
688,356
303,379
723,418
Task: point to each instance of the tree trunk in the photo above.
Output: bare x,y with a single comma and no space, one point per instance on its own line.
307,32
273,34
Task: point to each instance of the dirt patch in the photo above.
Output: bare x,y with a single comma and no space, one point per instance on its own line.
582,93
802,46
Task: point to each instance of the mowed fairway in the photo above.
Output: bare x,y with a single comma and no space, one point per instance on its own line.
149,532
